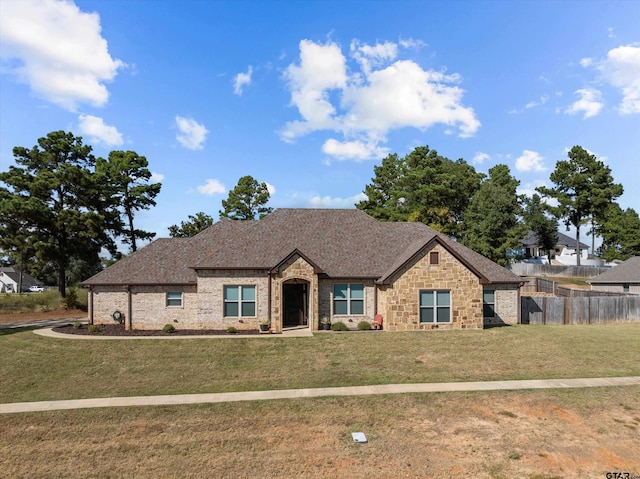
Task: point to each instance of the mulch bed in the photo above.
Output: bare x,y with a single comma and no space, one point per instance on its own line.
118,330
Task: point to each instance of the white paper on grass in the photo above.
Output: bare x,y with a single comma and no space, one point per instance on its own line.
358,437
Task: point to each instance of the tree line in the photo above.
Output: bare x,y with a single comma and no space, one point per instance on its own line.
60,206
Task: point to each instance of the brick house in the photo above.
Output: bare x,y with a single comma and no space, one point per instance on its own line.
624,278
295,266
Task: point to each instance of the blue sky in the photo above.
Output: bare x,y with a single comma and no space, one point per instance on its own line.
309,96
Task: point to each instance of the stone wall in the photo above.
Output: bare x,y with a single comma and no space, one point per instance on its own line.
399,302
296,268
211,285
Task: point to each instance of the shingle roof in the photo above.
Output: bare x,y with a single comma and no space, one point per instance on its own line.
626,272
14,275
340,243
564,240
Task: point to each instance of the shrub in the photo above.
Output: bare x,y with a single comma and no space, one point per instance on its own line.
77,325
231,330
93,328
364,326
339,326
168,328
71,300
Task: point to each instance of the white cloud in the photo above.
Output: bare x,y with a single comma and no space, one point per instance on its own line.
532,104
480,158
585,62
211,187
621,69
58,51
333,202
241,80
270,188
353,150
98,132
191,134
529,161
156,177
590,103
385,94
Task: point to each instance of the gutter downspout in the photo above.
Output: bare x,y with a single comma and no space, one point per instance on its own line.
129,309
90,305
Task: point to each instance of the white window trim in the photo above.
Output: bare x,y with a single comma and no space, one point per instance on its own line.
435,306
166,299
240,301
348,300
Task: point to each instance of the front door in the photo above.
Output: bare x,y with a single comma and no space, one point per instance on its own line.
296,301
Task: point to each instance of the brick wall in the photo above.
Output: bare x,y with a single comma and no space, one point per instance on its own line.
326,301
210,314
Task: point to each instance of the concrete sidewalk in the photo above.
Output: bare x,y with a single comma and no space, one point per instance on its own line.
316,392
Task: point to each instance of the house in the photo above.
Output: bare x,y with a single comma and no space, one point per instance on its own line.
624,278
295,266
10,280
564,253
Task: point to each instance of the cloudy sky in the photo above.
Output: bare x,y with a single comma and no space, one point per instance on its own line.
309,96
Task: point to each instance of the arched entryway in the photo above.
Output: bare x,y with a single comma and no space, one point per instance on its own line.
295,308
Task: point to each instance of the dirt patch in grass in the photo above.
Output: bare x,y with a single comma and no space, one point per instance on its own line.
6,318
537,434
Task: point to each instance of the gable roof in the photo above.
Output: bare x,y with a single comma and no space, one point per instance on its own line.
14,275
626,272
563,240
338,243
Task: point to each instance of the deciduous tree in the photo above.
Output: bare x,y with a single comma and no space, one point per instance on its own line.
422,186
544,228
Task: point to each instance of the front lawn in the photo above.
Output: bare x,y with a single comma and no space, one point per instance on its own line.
36,368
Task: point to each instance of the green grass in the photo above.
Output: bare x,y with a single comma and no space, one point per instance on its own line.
37,368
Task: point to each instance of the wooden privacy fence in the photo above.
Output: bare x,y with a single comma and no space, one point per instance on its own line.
577,310
529,269
541,285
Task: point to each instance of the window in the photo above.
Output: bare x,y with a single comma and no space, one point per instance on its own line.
489,303
239,301
348,298
625,288
435,306
434,257
174,298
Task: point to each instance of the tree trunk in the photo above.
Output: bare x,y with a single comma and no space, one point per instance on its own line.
62,281
133,232
578,245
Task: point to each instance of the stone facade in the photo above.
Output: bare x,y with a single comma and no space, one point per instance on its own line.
294,269
399,302
145,307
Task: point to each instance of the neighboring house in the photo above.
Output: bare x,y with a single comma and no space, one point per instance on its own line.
564,252
624,278
10,280
295,266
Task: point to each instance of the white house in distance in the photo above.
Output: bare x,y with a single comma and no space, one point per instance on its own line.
10,280
564,253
